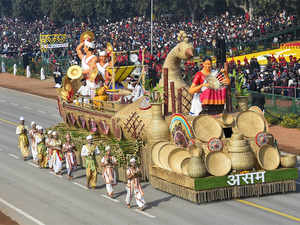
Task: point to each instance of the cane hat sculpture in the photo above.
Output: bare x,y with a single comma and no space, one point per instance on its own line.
74,72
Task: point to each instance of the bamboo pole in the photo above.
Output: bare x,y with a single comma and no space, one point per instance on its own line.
166,91
113,72
173,100
179,100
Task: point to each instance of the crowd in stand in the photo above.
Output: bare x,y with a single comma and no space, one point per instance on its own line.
22,37
279,76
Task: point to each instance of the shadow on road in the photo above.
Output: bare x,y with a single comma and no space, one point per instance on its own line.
156,203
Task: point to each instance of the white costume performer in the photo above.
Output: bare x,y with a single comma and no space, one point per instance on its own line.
70,157
32,133
137,93
134,186
109,173
49,150
100,68
84,91
57,154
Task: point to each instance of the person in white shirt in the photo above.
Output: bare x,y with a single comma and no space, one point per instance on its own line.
32,133
102,64
134,186
137,92
84,93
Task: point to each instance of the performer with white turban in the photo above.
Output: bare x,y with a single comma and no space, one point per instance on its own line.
102,64
134,186
41,147
23,141
90,151
68,150
56,153
32,133
108,163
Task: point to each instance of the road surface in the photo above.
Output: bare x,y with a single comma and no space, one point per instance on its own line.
34,196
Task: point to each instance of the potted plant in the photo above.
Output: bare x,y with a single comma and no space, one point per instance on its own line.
241,91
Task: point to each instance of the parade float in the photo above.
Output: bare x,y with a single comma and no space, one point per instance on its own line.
213,156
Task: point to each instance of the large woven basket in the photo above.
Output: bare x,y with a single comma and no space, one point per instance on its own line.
176,158
256,109
164,153
288,161
206,127
218,163
155,149
250,123
184,166
268,157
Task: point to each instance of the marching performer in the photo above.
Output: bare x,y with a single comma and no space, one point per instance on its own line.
134,186
90,151
109,174
57,156
41,147
49,150
32,133
23,141
68,150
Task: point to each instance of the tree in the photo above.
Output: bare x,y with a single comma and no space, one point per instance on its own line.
27,9
5,7
61,11
46,7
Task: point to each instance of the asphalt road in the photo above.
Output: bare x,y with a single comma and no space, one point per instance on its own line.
35,196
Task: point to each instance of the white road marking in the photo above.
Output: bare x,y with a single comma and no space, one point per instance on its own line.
40,111
80,185
114,200
144,213
14,156
60,176
14,104
32,164
21,212
2,100
26,107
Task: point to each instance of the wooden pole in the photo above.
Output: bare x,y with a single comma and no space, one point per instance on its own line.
143,68
228,91
113,72
173,100
166,91
179,100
